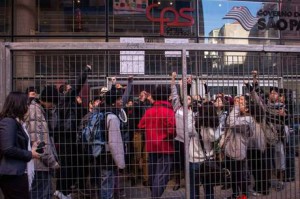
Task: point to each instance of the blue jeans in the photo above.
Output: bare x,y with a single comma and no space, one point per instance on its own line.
196,180
41,185
159,172
107,183
290,149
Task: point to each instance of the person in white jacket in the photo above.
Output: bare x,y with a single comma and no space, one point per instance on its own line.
114,156
241,127
207,123
180,132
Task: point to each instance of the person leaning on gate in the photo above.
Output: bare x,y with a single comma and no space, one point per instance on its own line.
71,173
201,149
16,153
275,118
159,125
241,126
140,158
37,127
114,156
177,103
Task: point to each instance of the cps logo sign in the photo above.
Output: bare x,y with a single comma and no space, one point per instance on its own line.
165,21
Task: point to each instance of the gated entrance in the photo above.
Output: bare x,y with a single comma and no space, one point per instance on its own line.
214,70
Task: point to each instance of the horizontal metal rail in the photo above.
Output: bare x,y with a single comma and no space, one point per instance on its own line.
149,46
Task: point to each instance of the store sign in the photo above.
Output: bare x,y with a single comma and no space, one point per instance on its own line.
166,21
266,19
286,21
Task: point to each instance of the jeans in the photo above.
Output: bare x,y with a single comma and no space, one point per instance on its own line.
159,172
107,183
196,179
41,185
239,177
290,147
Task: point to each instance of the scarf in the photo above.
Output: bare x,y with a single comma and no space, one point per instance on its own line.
30,164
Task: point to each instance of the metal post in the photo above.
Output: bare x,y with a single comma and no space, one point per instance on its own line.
5,72
2,74
8,70
185,125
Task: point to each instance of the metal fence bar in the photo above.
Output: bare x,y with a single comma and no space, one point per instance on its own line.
2,73
228,79
185,125
149,46
6,72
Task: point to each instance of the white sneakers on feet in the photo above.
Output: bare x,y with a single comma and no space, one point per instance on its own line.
60,195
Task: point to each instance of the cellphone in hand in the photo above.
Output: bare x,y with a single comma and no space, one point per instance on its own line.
40,147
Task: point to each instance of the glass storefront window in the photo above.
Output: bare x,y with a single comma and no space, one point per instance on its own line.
206,21
5,17
71,16
153,18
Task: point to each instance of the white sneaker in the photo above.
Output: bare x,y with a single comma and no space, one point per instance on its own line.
60,195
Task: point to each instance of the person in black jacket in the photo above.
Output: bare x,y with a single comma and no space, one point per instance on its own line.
71,174
16,153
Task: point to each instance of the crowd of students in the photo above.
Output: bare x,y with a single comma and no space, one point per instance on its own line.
146,140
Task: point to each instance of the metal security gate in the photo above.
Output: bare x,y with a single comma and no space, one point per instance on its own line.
220,69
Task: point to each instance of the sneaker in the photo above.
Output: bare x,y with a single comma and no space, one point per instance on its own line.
256,194
60,195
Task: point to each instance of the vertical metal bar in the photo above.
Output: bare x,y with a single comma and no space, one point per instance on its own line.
12,34
73,17
197,21
8,71
2,74
185,125
106,20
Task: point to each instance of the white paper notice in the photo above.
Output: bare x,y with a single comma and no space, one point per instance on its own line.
132,62
175,41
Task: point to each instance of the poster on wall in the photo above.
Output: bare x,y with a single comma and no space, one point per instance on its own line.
132,62
130,6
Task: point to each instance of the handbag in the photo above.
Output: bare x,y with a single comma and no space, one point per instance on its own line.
212,170
271,133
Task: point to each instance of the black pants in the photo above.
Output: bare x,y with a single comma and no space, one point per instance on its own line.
15,187
179,160
74,169
239,180
260,168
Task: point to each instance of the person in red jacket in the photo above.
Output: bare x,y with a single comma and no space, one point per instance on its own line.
159,124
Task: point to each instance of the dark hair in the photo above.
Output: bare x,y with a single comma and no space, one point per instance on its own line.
61,88
207,116
161,93
15,105
112,96
50,94
30,89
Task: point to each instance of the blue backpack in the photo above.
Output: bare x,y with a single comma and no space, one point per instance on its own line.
94,133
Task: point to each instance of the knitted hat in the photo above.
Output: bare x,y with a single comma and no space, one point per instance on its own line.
49,94
112,96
